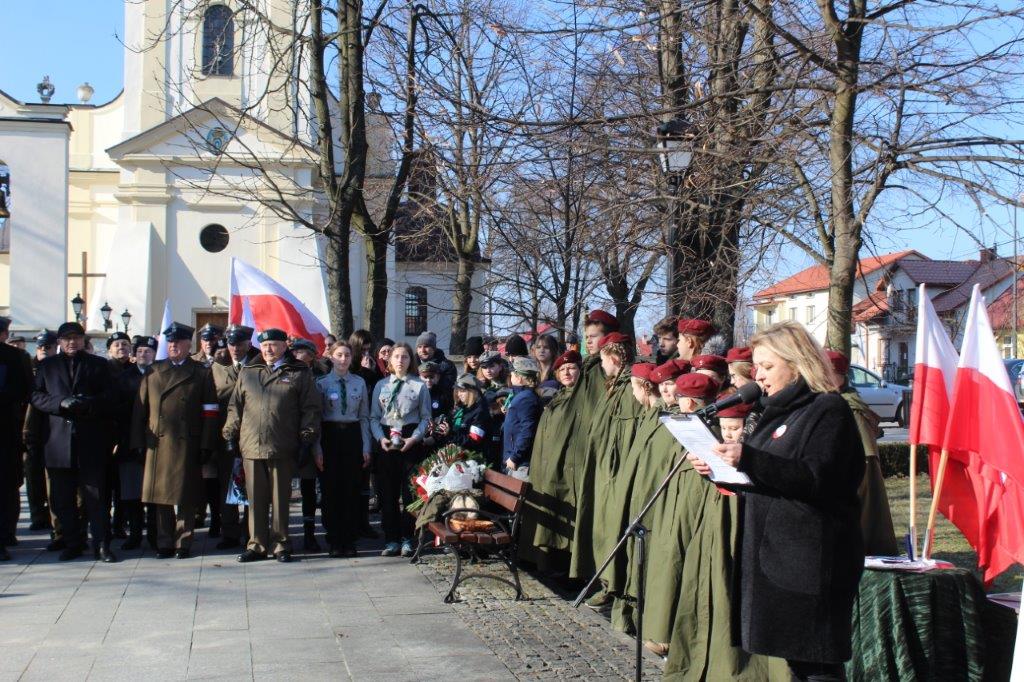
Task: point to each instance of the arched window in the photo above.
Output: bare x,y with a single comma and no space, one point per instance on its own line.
415,311
218,41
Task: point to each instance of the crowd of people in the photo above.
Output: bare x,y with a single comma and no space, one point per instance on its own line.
753,582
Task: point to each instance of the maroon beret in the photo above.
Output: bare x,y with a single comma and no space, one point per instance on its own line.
601,317
701,328
669,371
612,337
716,363
737,411
840,363
642,370
695,385
743,354
569,357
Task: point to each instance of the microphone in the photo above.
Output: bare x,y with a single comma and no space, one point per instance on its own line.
746,393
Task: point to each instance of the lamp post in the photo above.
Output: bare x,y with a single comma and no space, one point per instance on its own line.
105,312
76,305
126,318
675,149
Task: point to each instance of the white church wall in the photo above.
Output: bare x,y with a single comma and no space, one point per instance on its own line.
439,281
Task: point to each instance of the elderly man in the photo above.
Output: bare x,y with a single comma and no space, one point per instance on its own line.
274,420
175,424
75,391
130,464
35,471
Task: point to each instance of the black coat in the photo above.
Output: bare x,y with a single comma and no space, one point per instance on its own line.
474,430
126,381
15,386
81,440
801,548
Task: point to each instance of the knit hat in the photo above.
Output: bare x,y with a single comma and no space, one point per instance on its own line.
474,346
569,357
699,328
427,339
515,346
742,354
695,385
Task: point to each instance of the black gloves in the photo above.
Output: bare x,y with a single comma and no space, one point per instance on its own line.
305,454
73,405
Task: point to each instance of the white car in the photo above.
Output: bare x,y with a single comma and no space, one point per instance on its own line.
884,398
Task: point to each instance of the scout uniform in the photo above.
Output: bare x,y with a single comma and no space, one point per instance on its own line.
274,417
175,421
307,473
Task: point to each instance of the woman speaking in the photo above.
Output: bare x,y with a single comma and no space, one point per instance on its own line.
801,553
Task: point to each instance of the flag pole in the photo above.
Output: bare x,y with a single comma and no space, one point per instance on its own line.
929,533
912,529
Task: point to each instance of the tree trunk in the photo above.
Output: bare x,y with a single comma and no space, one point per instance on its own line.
375,307
339,292
463,301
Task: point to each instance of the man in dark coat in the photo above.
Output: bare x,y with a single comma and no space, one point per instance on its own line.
15,377
119,353
175,421
75,391
35,469
130,464
427,350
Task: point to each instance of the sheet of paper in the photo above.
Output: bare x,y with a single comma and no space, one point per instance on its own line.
695,436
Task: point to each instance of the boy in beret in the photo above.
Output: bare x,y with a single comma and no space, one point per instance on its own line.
595,327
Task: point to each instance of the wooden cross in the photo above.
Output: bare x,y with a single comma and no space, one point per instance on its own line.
85,275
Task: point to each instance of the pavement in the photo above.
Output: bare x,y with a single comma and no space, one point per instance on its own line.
892,433
209,617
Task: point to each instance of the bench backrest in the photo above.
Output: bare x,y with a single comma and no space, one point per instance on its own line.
505,491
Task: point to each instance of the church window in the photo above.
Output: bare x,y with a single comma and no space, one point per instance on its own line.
415,311
218,41
214,238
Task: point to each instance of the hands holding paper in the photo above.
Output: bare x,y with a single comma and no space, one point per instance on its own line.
729,452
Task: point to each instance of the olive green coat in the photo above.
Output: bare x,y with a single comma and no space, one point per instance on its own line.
274,411
600,451
170,423
875,517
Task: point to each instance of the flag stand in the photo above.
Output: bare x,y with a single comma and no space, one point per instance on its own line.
912,529
929,533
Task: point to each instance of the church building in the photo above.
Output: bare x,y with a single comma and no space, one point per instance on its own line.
207,153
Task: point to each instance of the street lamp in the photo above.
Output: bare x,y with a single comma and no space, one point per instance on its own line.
105,312
675,140
76,305
126,317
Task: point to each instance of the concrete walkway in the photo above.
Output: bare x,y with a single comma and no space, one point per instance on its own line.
210,617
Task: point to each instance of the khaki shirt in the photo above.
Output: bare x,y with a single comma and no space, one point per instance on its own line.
356,404
397,403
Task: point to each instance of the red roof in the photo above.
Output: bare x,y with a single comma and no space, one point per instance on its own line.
816,278
870,308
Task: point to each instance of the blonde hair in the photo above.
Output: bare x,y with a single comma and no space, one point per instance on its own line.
743,368
791,341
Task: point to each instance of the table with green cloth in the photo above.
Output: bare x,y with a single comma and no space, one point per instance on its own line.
937,625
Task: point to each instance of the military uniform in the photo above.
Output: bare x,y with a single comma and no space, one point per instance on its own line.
224,379
211,333
175,421
273,413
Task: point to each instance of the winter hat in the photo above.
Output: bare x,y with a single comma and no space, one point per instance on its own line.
515,346
427,339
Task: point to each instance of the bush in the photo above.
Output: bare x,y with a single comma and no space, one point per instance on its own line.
895,459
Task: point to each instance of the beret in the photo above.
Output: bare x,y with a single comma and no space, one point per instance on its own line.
208,332
178,332
601,317
70,329
642,370
700,328
304,344
737,411
743,354
272,335
117,336
237,333
613,337
716,363
569,357
145,342
525,365
840,363
221,344
695,385
669,371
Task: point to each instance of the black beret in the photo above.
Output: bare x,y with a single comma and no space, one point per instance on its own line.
221,344
178,332
70,329
272,335
145,342
515,346
237,333
474,346
387,342
117,336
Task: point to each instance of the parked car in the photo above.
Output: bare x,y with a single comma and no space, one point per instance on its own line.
1013,368
884,398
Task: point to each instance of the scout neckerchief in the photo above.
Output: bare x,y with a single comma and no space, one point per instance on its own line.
344,395
396,387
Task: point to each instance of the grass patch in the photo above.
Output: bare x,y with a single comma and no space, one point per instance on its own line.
950,544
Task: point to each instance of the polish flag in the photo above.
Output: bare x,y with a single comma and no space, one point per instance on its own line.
260,302
934,372
985,441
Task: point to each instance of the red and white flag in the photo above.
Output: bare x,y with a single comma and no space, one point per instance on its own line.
984,489
260,302
935,361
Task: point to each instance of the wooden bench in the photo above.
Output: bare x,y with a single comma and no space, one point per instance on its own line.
502,504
